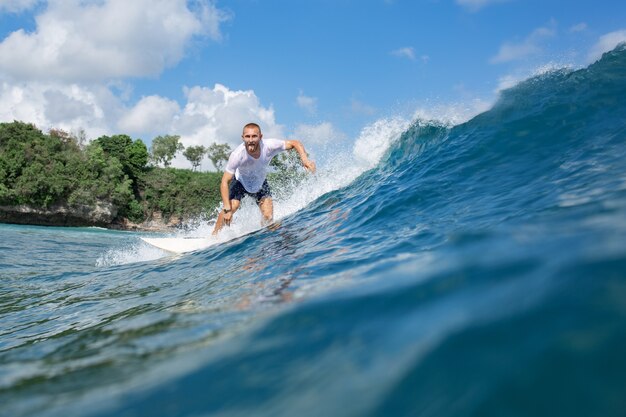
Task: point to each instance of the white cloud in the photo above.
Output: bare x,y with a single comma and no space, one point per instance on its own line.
606,43
475,5
307,103
319,135
531,45
67,107
16,6
406,52
86,40
211,18
151,114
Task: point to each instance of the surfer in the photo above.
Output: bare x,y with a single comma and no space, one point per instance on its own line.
246,172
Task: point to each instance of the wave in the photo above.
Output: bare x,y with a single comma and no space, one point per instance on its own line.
434,269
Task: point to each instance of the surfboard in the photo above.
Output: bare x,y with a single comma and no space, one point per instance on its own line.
179,244
190,244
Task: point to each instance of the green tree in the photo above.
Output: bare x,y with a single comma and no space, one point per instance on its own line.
115,145
195,154
164,148
33,166
181,192
65,137
137,159
101,178
132,155
218,154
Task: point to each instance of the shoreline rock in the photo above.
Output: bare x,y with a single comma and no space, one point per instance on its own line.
154,224
100,215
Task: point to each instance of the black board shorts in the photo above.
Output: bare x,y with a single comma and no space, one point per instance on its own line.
237,191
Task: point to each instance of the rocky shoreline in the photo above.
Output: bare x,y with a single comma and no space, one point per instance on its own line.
100,215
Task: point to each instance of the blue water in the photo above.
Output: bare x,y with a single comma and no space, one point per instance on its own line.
476,269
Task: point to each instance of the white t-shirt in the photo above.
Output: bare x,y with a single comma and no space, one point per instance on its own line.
251,172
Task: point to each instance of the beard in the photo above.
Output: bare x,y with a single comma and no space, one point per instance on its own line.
252,146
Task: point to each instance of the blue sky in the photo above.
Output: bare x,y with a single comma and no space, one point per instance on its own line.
318,70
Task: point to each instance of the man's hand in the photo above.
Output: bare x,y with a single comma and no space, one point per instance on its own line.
310,165
228,217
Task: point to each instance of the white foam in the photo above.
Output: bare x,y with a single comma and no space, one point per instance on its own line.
376,138
451,114
134,252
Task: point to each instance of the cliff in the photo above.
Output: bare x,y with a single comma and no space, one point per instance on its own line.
101,215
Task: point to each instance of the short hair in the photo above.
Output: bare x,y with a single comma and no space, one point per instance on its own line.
251,125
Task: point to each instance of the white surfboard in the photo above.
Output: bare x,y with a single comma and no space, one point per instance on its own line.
190,244
179,244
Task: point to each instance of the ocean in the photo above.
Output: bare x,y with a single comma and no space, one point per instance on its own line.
434,269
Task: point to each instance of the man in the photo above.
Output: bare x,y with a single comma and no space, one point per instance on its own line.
247,170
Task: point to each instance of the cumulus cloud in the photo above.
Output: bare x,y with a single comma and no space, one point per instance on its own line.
92,41
61,107
68,107
212,18
150,114
531,45
606,43
307,103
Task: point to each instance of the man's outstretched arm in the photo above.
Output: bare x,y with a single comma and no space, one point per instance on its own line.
297,145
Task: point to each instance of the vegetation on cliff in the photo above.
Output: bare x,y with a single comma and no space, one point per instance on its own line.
44,170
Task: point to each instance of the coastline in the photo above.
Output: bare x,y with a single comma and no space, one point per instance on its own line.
86,216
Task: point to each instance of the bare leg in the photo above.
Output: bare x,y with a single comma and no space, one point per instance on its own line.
234,205
267,210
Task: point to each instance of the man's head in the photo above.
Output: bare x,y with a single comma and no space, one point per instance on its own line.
252,137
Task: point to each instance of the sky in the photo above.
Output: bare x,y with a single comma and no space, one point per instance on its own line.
322,71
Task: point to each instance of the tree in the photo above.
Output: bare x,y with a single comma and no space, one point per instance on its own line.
195,154
218,154
137,159
132,155
164,148
115,146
